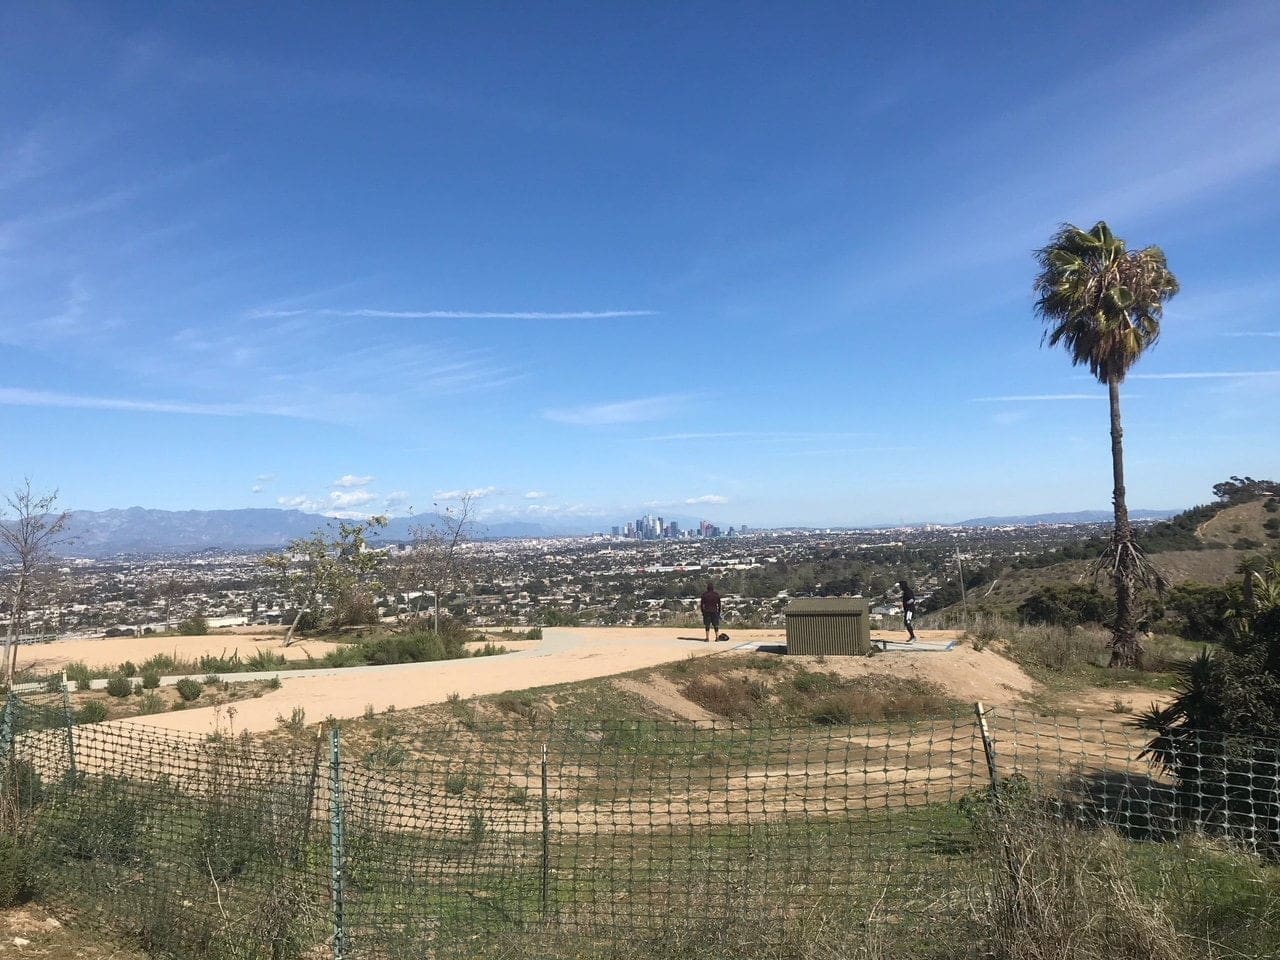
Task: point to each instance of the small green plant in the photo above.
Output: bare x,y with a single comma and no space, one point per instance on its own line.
150,679
476,827
211,680
119,686
189,689
368,711
273,683
17,870
128,669
94,711
1121,706
295,723
151,702
455,784
518,796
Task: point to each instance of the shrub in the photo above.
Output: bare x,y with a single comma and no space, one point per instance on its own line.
128,669
119,686
1066,606
151,703
150,680
731,697
80,673
415,647
347,655
104,825
211,680
159,663
94,711
189,689
17,870
265,660
194,626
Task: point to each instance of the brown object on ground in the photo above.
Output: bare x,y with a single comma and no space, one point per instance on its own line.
665,695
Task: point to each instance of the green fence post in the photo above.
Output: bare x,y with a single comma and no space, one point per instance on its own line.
72,777
337,858
546,838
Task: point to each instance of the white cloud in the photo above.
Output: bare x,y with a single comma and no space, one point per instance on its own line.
706,498
265,477
479,493
1038,397
256,488
299,502
461,314
350,498
351,480
620,411
19,397
536,495
1254,333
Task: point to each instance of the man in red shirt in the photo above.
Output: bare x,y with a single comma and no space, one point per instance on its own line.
710,604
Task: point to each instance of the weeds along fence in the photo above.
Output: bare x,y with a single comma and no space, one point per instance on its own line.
381,844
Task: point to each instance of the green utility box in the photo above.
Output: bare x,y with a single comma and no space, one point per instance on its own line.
833,626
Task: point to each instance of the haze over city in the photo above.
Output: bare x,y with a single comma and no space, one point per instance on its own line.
744,263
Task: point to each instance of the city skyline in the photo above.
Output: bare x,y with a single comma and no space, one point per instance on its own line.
759,264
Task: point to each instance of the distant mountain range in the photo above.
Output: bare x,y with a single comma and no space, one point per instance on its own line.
1079,516
138,530
100,533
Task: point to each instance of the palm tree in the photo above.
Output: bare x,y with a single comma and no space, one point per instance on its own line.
1103,303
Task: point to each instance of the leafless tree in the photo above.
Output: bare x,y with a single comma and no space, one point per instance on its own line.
436,558
29,538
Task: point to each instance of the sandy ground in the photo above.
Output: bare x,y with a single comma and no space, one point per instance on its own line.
52,657
564,655
568,655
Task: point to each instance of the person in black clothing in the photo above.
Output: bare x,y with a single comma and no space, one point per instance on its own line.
908,609
710,605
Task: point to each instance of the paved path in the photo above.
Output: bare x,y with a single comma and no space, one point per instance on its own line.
564,655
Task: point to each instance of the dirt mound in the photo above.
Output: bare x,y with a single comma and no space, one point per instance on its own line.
664,695
964,673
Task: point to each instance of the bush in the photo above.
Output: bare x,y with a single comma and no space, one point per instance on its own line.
17,870
150,680
151,703
119,686
1066,606
128,669
189,689
195,626
95,711
416,647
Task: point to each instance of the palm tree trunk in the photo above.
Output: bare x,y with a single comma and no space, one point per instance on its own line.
1125,649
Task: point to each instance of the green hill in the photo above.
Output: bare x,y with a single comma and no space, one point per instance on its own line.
1203,545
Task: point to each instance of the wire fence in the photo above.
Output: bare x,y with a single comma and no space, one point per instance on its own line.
363,845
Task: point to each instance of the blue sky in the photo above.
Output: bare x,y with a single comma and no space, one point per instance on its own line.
762,263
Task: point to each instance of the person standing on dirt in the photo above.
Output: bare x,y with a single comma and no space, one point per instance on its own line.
710,605
908,609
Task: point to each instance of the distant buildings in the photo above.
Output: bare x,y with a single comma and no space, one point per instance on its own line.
657,528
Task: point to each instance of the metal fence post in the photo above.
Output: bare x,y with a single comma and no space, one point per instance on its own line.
337,859
72,777
546,837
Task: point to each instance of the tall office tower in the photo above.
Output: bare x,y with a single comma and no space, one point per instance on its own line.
614,531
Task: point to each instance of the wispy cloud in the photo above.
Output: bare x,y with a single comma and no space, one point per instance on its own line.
1205,375
477,493
19,397
459,314
620,411
352,480
1039,397
265,477
1253,333
757,435
536,495
706,498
